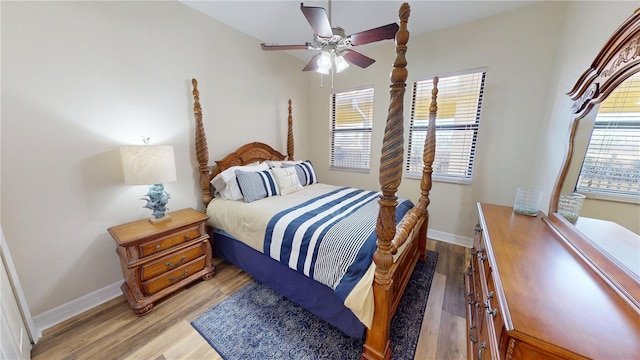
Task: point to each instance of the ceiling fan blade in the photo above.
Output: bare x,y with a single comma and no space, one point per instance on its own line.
357,59
372,35
312,64
265,46
317,18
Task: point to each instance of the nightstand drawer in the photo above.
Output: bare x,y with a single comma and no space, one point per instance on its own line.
173,277
165,243
170,262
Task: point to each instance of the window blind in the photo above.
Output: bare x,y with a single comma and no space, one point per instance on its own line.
611,166
351,123
459,106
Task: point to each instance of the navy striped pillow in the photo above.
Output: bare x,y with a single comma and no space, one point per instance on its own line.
256,185
306,172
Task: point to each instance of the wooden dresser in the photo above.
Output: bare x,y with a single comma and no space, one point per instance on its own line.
530,296
159,259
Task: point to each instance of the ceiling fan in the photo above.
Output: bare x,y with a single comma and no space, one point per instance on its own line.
334,45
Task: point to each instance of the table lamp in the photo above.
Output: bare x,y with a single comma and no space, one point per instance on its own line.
150,165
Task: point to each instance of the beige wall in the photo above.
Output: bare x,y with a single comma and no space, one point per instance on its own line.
515,49
79,79
520,50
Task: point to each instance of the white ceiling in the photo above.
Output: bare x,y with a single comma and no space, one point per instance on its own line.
282,21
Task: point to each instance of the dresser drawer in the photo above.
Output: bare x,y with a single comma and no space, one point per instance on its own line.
161,244
482,304
472,310
174,276
170,262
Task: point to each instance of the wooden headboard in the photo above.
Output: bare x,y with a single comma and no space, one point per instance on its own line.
246,154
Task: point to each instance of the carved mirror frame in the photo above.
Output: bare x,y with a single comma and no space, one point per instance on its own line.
618,60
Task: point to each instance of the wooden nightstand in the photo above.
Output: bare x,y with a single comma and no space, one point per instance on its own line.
159,259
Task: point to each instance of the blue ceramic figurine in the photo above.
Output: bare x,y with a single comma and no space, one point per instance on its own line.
157,201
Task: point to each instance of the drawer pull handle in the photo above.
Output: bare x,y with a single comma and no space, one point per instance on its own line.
491,311
187,236
170,264
480,256
157,246
483,345
471,338
186,271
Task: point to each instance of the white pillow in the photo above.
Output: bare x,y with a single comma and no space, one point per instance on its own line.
225,184
278,164
287,180
306,172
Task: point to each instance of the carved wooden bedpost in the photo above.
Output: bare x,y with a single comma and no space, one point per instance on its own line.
202,151
290,134
378,345
428,156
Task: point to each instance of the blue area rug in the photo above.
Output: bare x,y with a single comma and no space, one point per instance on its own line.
259,323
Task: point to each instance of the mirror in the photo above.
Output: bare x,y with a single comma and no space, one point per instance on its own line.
611,249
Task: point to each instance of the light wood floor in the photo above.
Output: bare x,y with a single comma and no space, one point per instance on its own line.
112,331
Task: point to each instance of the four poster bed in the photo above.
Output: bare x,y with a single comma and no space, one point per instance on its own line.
282,245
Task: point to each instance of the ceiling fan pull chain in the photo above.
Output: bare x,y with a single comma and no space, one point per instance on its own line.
332,78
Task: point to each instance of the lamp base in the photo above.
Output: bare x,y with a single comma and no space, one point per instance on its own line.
154,220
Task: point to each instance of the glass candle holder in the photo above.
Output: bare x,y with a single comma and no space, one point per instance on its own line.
570,205
527,201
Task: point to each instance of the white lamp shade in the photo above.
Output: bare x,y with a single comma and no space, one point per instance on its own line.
341,64
324,63
148,164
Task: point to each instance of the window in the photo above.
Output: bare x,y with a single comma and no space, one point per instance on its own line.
351,122
611,167
457,120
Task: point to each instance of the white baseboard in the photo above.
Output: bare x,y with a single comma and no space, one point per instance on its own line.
75,307
450,238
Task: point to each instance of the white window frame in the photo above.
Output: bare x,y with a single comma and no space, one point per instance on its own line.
414,162
357,159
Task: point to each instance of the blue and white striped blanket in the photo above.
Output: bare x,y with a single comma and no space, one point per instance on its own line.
330,238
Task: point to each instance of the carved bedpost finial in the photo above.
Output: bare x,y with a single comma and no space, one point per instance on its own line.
290,134
429,152
202,151
196,98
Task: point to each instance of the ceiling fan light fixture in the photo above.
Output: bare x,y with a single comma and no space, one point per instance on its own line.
341,63
324,63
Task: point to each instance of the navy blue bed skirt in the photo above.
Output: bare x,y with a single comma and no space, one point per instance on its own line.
308,293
